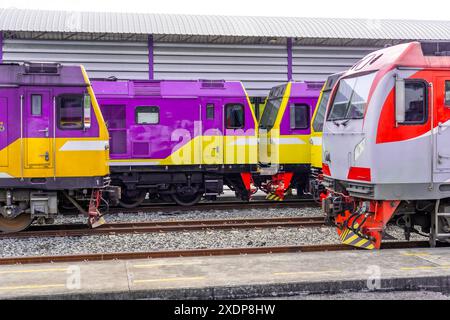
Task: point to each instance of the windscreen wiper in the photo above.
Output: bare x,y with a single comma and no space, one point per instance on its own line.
336,123
345,123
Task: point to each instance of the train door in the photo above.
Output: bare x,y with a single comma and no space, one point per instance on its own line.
115,118
213,133
442,104
3,132
38,128
234,132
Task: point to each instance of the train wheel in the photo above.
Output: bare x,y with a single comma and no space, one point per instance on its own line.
186,200
17,224
129,202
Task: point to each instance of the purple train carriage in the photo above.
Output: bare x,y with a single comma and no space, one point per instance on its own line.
178,140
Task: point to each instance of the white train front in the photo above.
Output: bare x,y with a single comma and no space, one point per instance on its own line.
386,145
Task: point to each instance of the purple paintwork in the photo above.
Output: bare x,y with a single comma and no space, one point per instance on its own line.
16,83
289,59
302,93
182,105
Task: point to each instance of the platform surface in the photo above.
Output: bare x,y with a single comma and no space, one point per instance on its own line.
228,277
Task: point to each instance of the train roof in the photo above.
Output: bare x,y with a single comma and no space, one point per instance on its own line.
168,88
36,73
408,55
306,88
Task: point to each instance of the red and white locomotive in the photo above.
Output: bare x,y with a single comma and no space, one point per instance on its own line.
386,145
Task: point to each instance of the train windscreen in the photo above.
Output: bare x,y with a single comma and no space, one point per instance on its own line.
350,101
272,107
322,109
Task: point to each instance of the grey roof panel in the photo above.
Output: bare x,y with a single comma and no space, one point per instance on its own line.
164,24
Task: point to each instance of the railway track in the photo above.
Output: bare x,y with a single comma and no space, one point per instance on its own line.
218,205
201,252
165,226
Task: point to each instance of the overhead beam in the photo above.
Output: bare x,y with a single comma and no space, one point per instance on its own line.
1,47
289,59
150,58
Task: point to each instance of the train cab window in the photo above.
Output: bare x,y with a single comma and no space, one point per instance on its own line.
299,115
70,111
210,111
234,116
415,99
147,115
447,93
36,105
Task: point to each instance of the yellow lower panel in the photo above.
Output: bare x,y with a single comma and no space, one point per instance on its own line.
290,149
68,163
316,150
211,150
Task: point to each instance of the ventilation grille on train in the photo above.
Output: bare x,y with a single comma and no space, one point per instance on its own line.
314,85
147,88
42,67
212,84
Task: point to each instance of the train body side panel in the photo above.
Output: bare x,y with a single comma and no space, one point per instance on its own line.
32,143
187,129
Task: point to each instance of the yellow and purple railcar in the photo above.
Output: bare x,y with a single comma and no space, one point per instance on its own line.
179,140
284,139
53,144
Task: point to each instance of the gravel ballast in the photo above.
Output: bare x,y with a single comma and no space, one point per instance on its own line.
200,215
174,241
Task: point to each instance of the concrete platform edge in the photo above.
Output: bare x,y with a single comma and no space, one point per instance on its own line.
430,283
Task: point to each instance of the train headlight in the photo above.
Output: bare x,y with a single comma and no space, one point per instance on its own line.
359,149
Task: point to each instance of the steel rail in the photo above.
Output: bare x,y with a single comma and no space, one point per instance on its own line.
200,253
165,226
225,205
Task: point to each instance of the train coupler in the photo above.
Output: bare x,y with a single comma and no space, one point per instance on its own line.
95,219
278,187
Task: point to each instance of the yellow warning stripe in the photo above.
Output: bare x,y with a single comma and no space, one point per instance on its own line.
351,239
361,243
274,197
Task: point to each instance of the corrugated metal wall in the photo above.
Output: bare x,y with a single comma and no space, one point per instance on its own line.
125,60
317,63
260,67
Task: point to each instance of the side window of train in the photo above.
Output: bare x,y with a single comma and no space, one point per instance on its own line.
299,116
416,102
210,111
36,105
70,111
234,116
447,93
147,115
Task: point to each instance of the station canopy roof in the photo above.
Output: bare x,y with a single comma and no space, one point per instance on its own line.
171,27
